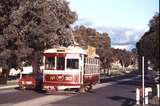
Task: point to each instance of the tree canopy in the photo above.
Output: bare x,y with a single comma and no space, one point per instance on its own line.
148,45
125,57
89,36
101,41
28,26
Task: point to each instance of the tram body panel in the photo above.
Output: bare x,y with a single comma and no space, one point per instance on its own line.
73,74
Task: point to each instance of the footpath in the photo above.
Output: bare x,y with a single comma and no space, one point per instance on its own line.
10,84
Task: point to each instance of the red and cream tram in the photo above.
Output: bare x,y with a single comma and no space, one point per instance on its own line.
70,68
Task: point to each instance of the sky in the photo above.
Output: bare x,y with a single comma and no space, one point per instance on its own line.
124,20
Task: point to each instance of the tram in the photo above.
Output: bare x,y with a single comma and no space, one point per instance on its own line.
70,68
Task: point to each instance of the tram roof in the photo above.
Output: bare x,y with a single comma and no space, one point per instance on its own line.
70,49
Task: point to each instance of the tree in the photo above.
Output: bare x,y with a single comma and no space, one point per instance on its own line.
27,27
125,57
89,36
148,45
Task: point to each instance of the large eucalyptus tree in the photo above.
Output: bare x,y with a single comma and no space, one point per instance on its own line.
27,27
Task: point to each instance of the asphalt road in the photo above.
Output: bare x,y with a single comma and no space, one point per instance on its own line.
118,91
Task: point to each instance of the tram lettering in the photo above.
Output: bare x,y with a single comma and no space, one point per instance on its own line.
52,78
68,78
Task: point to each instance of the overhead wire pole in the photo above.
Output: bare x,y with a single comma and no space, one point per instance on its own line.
143,80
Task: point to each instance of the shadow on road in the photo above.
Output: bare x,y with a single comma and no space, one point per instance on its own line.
124,100
16,96
116,78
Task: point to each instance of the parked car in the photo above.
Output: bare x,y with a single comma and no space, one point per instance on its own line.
31,81
27,81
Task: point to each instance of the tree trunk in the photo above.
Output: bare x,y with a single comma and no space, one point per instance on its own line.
123,68
35,62
109,72
4,76
104,71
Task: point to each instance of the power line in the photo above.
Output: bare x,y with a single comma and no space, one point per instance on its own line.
125,43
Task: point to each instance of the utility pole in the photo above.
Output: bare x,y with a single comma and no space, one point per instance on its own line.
143,80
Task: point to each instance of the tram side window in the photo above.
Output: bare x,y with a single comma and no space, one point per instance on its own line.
60,63
50,63
72,63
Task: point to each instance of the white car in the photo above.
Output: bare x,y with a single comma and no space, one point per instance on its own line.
14,72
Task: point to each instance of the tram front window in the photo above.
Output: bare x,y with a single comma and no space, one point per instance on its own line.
60,63
72,64
50,63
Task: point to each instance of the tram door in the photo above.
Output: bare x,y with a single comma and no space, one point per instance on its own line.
73,65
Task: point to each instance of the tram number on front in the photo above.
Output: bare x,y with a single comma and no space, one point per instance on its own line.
52,78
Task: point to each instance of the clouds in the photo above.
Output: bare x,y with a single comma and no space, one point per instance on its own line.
125,21
123,37
85,22
124,13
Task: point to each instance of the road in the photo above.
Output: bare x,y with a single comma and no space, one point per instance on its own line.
111,92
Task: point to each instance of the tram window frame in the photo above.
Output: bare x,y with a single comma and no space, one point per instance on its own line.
86,68
74,63
86,60
96,61
49,64
60,64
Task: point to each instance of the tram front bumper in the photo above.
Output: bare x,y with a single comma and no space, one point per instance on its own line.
59,86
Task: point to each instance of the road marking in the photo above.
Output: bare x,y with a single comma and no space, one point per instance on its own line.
9,86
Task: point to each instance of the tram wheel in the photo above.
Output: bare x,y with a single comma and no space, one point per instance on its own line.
90,88
82,90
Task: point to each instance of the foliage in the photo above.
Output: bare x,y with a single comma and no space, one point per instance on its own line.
27,27
125,57
88,36
148,45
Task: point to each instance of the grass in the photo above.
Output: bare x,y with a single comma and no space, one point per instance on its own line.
12,82
114,73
